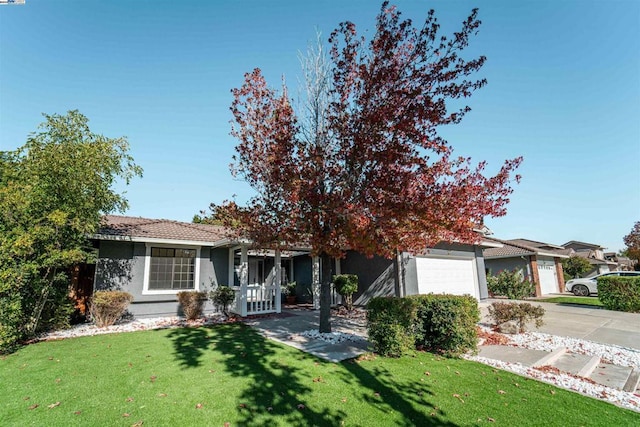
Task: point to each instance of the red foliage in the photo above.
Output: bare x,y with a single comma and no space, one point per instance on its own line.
378,178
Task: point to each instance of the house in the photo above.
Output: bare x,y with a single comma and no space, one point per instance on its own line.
623,263
154,259
540,263
594,254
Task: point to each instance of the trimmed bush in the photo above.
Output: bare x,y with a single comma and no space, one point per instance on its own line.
521,313
391,325
192,303
446,323
510,284
221,297
620,293
346,285
108,306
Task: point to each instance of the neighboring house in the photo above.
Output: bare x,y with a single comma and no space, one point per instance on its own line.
594,254
623,263
154,259
540,263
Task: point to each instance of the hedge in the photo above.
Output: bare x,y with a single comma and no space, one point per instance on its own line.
391,325
444,324
620,293
447,323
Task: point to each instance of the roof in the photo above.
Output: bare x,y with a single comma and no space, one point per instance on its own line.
137,229
522,247
536,244
590,256
583,244
117,227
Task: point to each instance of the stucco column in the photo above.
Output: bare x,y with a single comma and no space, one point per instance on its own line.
315,281
278,281
244,279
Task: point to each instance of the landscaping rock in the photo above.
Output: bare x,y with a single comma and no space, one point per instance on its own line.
510,327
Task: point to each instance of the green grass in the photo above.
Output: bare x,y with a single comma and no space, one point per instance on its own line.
574,301
238,377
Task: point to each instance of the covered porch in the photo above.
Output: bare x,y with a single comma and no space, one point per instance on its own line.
258,276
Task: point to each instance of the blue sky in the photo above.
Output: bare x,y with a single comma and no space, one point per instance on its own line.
564,92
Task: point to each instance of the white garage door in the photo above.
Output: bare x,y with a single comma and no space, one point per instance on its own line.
548,276
447,275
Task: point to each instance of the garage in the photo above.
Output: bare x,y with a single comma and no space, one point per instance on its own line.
548,276
447,275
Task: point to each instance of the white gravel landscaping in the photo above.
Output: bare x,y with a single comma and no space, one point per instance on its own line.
332,337
86,329
609,353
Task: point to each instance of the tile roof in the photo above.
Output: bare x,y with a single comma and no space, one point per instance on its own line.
115,226
519,247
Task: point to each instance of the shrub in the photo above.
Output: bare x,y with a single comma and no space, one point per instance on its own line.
289,290
221,297
447,323
510,284
108,306
192,303
620,293
391,325
521,313
346,285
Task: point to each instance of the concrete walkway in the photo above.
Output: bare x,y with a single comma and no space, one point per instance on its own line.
286,327
584,322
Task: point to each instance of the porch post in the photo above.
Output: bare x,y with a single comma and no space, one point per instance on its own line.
244,279
335,295
315,282
278,280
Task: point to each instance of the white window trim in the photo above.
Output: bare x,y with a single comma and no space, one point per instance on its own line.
147,270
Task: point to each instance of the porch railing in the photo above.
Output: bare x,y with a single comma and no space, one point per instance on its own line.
261,299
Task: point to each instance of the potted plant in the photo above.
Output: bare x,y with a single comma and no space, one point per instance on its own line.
289,291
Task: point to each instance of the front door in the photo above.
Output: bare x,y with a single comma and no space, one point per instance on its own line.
256,271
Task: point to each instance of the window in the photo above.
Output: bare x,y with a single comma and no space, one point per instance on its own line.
172,269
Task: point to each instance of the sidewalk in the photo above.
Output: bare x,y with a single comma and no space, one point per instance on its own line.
286,327
592,324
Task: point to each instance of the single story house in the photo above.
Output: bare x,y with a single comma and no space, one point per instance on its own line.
154,259
540,263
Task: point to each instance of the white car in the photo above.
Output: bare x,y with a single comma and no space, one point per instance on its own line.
589,285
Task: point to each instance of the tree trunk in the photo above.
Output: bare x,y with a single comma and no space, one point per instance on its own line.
325,294
398,266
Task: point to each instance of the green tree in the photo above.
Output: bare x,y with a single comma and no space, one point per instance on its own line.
53,193
575,266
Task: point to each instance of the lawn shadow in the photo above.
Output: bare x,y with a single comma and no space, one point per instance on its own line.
384,391
276,391
189,345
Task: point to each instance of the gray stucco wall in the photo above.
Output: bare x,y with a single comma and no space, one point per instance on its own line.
375,276
120,266
495,266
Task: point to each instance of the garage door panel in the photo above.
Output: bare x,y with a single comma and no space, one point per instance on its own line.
547,276
446,275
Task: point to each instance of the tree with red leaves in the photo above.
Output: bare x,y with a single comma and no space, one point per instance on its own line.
364,167
632,240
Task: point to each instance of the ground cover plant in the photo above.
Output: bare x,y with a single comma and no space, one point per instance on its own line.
230,374
574,301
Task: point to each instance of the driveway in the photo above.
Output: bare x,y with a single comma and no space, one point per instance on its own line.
593,324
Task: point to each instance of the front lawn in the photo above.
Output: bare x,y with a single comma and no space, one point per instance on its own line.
211,376
594,301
